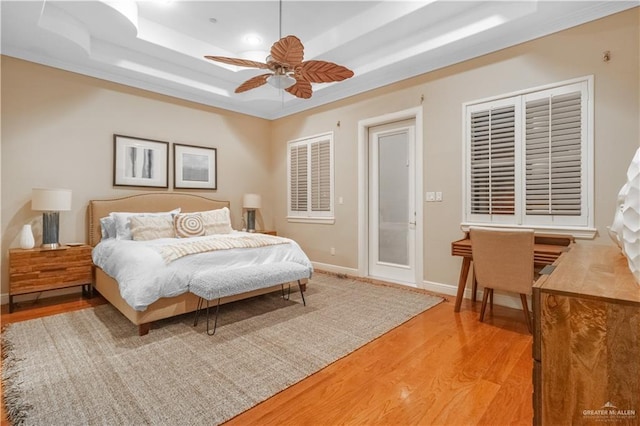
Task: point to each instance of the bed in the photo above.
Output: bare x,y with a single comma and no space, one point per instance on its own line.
164,307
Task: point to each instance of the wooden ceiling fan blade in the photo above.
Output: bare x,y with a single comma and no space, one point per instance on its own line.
237,61
302,89
323,72
253,82
288,51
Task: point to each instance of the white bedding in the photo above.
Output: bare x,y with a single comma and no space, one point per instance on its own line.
143,276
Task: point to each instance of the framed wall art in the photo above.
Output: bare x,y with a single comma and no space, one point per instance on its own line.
194,167
140,162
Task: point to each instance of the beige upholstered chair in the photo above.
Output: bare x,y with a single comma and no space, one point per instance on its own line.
503,260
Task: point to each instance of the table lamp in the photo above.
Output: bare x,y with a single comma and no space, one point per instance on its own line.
50,202
251,202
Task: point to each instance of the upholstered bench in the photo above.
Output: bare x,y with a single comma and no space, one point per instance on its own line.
210,285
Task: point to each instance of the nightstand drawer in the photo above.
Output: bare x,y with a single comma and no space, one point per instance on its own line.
25,261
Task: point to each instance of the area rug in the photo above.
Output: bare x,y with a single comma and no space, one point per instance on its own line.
91,367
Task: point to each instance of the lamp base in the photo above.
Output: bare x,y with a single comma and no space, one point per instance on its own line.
50,246
50,221
251,221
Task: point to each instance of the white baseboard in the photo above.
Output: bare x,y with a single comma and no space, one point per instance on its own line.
447,289
506,300
335,269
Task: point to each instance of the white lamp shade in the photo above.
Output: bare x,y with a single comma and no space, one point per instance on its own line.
251,201
50,200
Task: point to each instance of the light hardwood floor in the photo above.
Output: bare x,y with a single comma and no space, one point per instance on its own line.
439,368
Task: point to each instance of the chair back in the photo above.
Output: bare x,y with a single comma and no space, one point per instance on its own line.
503,258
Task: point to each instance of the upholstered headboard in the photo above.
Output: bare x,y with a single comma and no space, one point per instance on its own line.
153,202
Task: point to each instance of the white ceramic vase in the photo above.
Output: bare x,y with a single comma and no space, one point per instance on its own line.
26,238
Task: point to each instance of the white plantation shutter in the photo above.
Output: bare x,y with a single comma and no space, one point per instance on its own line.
554,155
493,161
528,159
321,176
310,173
298,177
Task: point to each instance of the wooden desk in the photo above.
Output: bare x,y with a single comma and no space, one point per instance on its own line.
547,248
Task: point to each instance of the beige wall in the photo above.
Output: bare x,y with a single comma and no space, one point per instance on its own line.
566,55
57,130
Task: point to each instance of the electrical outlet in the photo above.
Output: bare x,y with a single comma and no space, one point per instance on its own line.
333,251
438,196
430,197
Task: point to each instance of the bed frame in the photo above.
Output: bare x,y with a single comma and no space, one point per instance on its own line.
153,202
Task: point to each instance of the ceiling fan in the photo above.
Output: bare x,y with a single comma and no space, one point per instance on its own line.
288,70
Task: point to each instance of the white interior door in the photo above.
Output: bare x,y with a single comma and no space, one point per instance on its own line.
392,209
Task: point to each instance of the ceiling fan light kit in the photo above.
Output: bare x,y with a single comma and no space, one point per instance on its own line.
288,70
281,81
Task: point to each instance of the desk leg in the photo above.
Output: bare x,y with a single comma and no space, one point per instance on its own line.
464,272
474,287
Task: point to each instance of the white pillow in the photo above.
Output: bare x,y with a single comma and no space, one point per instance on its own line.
217,221
123,226
107,227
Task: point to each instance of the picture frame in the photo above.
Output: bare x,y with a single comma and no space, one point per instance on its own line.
195,167
140,162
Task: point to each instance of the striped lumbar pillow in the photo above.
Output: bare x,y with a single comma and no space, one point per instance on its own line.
145,228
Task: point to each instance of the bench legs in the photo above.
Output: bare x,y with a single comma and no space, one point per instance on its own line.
215,324
202,300
304,303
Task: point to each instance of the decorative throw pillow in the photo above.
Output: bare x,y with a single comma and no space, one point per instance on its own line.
188,225
144,228
123,225
217,221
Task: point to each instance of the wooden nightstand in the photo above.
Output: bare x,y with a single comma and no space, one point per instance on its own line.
267,232
35,270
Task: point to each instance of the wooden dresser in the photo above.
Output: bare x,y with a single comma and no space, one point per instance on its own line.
35,270
586,342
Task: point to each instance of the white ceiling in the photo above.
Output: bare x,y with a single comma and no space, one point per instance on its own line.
159,45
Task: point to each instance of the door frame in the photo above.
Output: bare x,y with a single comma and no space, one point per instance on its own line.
363,183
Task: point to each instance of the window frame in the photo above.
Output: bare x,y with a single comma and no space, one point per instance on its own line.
310,215
579,226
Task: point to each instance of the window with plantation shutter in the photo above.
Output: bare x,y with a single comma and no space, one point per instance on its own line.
310,179
553,160
321,176
528,159
298,174
493,161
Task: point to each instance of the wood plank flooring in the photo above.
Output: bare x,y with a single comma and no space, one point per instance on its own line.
439,368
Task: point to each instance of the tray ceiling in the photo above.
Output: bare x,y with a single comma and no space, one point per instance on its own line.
159,45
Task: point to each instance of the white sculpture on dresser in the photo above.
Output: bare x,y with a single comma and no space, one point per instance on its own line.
625,229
